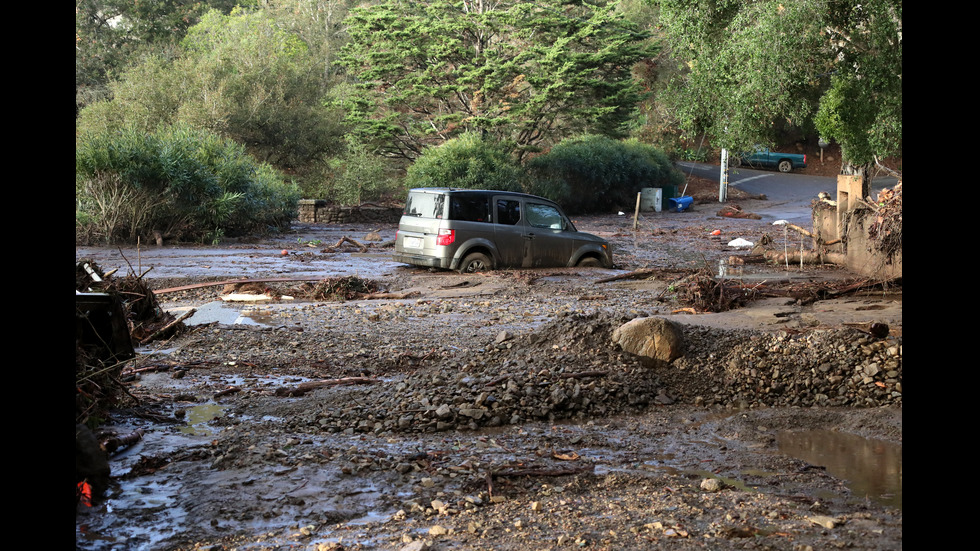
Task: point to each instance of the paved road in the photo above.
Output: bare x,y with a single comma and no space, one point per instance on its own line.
789,195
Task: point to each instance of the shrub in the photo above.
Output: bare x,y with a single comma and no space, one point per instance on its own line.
598,174
181,182
468,162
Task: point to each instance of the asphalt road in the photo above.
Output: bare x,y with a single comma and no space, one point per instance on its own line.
789,195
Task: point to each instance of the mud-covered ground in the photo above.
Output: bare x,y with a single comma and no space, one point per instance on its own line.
492,411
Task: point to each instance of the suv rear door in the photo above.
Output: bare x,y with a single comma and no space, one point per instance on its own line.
513,245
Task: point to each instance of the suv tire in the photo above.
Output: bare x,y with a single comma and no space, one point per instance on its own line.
475,262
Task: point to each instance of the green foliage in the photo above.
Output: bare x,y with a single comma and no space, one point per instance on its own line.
182,182
110,34
363,176
468,162
747,69
239,75
598,174
862,108
523,73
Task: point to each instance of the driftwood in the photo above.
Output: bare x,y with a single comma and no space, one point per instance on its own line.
346,239
117,443
809,257
635,274
303,388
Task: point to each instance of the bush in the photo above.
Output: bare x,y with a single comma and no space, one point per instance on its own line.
181,182
598,174
468,162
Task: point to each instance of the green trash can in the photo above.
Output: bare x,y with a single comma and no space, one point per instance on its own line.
669,192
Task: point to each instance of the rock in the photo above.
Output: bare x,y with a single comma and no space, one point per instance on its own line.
711,485
438,530
503,336
825,521
655,338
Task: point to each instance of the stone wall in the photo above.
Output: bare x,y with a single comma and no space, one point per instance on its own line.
313,211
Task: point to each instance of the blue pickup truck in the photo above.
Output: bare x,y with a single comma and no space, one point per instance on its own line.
762,157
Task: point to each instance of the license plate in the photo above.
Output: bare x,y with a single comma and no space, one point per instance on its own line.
413,242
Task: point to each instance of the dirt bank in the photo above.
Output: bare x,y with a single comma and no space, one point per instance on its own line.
492,412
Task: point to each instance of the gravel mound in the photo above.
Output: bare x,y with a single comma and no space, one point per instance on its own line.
568,369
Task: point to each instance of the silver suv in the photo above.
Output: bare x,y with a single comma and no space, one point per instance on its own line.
476,230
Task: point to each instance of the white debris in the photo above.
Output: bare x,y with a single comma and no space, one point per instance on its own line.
740,243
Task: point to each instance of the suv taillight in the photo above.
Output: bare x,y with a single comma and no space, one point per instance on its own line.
445,237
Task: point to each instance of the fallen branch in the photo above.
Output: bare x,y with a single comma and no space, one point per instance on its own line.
169,326
227,391
543,472
408,294
313,385
796,228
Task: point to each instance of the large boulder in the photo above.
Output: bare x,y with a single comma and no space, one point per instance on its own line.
655,338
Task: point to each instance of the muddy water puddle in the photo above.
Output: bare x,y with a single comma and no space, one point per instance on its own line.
872,468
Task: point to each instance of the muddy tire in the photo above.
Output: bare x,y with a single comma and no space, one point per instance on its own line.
589,262
475,262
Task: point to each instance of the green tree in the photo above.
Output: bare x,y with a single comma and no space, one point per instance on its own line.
467,161
752,67
241,75
523,73
594,173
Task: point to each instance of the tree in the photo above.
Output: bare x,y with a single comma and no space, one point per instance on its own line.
241,75
522,73
109,34
751,67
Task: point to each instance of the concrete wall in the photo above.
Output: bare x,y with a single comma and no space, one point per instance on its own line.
845,229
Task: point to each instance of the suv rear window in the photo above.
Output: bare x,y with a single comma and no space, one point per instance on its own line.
425,205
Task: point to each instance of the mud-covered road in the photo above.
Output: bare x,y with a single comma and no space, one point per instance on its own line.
492,411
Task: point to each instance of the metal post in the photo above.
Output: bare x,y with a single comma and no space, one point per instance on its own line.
723,184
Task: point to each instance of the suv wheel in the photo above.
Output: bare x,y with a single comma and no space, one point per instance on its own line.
474,262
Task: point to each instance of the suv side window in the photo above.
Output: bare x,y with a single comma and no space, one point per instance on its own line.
543,216
508,212
469,208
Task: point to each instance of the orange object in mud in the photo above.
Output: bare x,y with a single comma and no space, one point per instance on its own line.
84,493
716,232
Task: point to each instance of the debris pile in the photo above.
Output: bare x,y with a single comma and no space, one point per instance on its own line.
111,316
885,230
342,288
